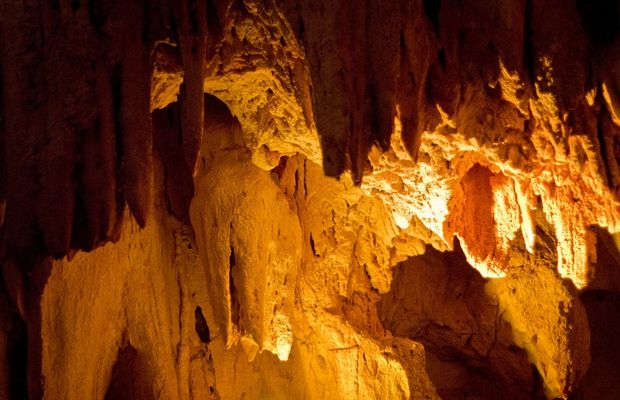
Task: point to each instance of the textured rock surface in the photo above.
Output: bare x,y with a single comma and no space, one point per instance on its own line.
291,233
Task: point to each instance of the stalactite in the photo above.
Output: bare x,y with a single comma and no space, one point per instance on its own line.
224,198
191,20
102,181
416,56
137,138
168,140
22,98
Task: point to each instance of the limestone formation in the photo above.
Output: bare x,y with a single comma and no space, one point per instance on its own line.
287,199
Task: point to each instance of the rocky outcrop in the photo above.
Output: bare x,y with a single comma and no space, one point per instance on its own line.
251,199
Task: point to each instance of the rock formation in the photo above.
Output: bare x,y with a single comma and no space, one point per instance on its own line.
287,199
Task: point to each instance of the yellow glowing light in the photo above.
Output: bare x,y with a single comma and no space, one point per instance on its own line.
401,221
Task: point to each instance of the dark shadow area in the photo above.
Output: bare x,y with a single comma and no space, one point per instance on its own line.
219,118
131,378
235,306
606,275
168,142
2,149
437,299
602,382
202,329
599,19
17,348
431,9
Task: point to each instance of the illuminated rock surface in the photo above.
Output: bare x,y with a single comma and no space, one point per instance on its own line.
286,199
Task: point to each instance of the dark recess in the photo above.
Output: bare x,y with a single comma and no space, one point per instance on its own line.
601,380
599,19
17,345
456,366
202,329
234,299
431,9
129,378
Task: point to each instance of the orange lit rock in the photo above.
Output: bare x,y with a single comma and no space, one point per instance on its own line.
316,200
236,228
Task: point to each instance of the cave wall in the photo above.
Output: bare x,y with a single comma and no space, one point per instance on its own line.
260,199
